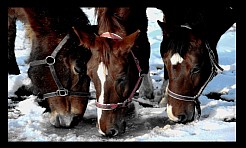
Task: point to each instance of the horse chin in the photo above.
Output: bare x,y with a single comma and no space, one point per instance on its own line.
117,131
65,121
114,130
185,117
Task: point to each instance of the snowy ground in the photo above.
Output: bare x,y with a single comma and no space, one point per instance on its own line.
217,123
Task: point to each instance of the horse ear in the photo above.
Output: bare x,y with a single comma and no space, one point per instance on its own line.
129,40
164,29
84,37
161,24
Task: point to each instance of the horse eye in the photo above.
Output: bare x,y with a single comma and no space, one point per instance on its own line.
120,84
121,79
117,16
195,70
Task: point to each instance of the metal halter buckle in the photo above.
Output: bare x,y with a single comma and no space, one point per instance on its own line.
62,92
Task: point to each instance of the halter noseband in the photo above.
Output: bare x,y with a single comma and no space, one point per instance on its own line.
129,99
50,61
214,71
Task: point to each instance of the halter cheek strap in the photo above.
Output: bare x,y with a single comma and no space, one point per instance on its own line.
50,61
214,71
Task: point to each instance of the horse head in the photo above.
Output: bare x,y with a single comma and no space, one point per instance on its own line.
113,71
57,64
190,57
120,58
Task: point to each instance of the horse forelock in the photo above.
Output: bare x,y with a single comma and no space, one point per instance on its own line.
107,21
104,52
179,42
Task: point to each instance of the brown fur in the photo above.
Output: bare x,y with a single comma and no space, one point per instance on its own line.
115,54
188,77
48,26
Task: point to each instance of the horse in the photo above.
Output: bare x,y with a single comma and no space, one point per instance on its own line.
57,64
188,50
119,64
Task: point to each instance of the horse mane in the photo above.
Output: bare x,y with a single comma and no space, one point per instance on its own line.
61,20
104,52
206,23
178,41
57,22
110,19
193,20
124,21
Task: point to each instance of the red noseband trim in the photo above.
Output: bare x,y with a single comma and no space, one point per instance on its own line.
111,35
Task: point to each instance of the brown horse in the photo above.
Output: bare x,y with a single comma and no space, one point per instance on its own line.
188,49
120,58
57,64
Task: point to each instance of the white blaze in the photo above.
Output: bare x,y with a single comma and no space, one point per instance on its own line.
102,72
176,58
170,113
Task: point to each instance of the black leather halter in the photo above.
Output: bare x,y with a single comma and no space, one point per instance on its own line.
50,61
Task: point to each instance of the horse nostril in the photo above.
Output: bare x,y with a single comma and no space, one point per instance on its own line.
182,118
111,132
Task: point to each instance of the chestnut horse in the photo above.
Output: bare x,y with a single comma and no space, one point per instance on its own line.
119,63
57,65
188,49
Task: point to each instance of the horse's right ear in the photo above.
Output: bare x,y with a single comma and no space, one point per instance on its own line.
163,25
129,40
84,37
160,23
163,28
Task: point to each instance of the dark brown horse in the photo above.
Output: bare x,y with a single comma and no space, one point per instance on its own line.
57,64
188,49
120,58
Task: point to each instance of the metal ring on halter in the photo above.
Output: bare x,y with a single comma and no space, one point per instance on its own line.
50,60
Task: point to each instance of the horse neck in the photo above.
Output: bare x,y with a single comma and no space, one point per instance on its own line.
109,26
55,20
219,20
47,30
121,21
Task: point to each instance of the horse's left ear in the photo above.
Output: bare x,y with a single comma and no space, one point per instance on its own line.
161,24
129,40
163,28
84,37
